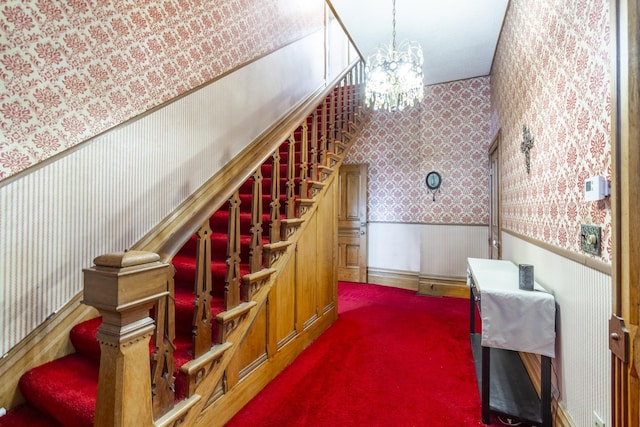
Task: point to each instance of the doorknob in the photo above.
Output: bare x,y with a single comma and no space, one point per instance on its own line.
362,233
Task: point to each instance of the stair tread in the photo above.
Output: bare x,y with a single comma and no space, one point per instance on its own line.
26,416
73,404
83,338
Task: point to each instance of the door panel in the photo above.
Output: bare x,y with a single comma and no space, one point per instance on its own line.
352,223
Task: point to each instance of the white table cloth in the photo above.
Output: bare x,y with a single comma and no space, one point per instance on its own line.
513,319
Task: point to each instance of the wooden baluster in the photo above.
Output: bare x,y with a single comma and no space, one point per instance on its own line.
314,147
290,202
354,86
350,104
274,224
339,111
124,287
255,250
232,282
202,326
323,133
343,104
304,159
347,101
332,121
352,96
361,84
163,366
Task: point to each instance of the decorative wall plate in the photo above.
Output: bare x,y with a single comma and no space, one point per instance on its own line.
433,181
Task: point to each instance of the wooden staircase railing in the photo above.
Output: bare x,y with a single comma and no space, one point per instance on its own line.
140,280
124,287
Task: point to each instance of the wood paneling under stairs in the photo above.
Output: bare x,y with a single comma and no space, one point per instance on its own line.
326,254
305,278
299,307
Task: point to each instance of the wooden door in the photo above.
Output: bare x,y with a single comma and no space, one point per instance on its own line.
624,329
495,251
352,223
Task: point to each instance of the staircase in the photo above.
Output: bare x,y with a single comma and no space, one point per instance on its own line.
211,292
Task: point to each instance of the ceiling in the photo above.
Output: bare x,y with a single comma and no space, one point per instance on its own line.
458,37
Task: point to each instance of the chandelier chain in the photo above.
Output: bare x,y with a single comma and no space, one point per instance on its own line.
393,33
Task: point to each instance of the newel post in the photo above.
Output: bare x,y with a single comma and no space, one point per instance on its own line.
124,287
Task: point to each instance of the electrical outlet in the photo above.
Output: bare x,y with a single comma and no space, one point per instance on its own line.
597,421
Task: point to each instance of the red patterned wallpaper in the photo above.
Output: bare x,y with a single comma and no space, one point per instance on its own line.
72,69
449,133
551,73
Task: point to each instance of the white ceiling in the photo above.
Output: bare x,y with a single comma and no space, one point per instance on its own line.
458,37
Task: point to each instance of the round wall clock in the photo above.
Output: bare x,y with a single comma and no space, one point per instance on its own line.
433,181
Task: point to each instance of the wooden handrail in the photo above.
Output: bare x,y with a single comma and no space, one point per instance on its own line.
169,235
125,322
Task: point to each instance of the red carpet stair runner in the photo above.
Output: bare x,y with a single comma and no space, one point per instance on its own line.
265,209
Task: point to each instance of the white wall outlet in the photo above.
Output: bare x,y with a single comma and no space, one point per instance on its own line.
597,421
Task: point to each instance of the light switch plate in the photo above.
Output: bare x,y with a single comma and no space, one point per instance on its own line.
590,238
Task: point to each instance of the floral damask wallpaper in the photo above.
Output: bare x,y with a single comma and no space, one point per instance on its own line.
448,133
72,69
551,73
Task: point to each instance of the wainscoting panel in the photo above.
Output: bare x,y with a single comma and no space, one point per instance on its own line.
431,250
394,246
445,249
581,369
106,194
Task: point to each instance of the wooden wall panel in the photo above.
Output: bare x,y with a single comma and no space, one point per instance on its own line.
282,305
253,349
327,245
306,261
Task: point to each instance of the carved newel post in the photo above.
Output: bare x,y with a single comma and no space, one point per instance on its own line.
123,287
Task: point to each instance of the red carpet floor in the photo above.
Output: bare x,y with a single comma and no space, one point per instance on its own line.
391,359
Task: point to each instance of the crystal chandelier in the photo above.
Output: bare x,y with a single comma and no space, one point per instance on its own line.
394,75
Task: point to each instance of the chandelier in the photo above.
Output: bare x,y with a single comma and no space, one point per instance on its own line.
394,75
